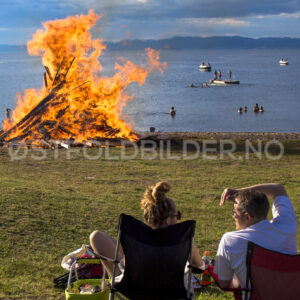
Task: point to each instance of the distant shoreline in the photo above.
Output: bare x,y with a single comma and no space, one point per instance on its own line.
192,42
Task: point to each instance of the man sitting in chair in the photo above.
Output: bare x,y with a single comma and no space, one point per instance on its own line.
250,210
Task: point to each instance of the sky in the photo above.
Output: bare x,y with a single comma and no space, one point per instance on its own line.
156,19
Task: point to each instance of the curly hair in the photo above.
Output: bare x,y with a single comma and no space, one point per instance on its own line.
157,207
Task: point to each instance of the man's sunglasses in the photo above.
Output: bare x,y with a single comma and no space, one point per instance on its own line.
234,202
177,216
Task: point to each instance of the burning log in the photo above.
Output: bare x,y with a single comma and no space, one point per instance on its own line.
57,72
45,80
41,129
48,72
69,68
61,113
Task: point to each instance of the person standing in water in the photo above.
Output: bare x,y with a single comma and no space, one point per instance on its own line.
229,75
172,111
220,74
8,113
215,75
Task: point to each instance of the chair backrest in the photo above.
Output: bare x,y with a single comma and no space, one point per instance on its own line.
272,275
155,260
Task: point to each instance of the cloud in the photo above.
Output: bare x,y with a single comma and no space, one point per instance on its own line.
294,15
157,18
191,8
231,22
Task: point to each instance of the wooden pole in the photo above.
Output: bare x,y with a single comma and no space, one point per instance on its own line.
69,67
58,70
48,72
45,80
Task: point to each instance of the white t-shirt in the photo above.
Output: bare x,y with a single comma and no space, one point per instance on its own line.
279,234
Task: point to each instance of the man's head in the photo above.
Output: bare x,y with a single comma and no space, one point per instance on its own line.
249,208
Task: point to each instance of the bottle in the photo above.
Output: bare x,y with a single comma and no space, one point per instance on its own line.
205,276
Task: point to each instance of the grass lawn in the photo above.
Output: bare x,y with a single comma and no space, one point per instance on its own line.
50,206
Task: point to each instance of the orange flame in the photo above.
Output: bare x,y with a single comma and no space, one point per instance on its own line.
78,103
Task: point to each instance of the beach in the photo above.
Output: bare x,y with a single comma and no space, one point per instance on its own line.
253,136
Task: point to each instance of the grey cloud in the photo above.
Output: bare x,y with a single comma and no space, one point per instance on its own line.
198,8
32,12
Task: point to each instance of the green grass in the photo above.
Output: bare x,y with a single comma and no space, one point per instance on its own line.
49,207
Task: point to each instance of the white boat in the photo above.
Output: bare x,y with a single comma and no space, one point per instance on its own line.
224,82
205,68
283,62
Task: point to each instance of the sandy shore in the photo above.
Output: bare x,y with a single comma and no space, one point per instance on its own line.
223,135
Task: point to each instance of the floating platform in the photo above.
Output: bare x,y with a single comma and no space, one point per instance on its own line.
224,82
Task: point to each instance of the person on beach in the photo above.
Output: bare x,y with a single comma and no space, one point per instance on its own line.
261,109
240,110
250,210
159,211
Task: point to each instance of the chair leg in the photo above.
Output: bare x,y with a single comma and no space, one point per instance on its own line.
111,295
119,296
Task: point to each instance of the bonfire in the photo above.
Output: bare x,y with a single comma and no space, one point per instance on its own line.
76,103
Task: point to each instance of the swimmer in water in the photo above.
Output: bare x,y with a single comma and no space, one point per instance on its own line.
172,111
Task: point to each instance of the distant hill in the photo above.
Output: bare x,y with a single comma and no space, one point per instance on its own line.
217,42
12,48
180,43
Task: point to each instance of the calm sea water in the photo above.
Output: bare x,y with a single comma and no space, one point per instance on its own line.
262,81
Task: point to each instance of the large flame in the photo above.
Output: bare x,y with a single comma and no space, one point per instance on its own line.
86,104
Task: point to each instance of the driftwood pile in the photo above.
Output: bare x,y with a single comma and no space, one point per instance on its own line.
33,128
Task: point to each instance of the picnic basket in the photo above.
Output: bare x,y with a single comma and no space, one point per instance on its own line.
72,290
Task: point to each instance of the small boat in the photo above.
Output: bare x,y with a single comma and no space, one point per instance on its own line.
224,82
283,62
205,68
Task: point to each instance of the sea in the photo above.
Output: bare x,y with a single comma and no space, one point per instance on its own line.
203,108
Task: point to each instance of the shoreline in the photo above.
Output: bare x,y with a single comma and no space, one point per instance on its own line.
221,135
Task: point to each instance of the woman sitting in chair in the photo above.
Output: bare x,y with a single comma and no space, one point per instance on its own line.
159,211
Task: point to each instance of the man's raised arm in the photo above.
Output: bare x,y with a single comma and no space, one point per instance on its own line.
271,190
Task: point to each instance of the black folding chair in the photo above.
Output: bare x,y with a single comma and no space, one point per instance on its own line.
155,260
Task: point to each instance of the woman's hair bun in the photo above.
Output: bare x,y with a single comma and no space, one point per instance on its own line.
159,191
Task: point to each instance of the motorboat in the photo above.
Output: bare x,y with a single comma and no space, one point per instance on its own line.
284,62
205,68
224,82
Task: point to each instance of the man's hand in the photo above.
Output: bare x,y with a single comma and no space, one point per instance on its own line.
228,194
